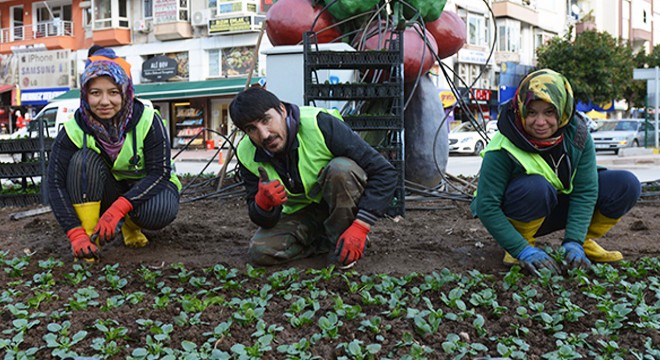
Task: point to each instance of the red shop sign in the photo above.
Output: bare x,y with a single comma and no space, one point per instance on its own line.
480,94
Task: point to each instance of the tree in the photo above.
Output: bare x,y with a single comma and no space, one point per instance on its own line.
635,91
598,68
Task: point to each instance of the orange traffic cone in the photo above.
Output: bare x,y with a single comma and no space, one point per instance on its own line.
221,160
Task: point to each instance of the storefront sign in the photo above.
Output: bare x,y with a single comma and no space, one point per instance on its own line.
8,66
480,94
237,61
236,24
44,69
159,68
266,5
236,6
40,96
473,56
165,11
448,98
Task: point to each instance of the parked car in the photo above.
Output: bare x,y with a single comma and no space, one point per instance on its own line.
465,139
591,124
612,135
53,116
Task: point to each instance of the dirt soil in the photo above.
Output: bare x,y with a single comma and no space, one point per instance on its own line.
212,231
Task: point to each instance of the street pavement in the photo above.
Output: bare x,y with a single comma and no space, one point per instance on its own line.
645,163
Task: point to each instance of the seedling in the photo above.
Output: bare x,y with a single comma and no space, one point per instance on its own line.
15,266
453,299
183,275
79,275
50,263
82,299
15,349
356,350
149,276
61,341
263,330
298,350
565,352
348,312
256,351
512,347
330,325
454,345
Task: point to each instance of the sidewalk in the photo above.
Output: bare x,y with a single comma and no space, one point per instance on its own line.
199,155
633,157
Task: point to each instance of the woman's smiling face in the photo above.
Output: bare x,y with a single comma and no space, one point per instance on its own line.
104,97
541,121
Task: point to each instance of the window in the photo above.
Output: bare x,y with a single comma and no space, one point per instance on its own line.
183,10
87,18
168,11
214,63
147,9
110,14
476,30
237,61
17,30
52,19
509,36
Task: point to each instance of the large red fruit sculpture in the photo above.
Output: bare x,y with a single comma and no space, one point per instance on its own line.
414,54
287,20
450,32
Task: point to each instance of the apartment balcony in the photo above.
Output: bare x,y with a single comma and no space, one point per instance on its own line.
53,34
639,35
173,30
506,56
516,9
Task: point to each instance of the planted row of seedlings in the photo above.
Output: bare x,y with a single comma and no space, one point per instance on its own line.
52,309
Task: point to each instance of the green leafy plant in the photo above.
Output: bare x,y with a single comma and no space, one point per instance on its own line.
61,341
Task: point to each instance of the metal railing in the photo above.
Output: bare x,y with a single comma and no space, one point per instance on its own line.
37,31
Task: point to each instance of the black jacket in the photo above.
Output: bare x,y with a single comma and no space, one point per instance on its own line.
341,140
156,158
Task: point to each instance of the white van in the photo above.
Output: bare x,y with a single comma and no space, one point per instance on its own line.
54,115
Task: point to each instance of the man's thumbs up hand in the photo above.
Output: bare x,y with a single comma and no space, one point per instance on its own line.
270,193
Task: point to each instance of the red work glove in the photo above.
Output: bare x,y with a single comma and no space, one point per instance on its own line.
81,245
111,221
271,193
351,243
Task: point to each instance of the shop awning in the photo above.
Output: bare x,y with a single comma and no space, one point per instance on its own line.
179,90
5,88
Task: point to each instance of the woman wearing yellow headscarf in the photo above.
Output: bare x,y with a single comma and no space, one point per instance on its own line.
539,175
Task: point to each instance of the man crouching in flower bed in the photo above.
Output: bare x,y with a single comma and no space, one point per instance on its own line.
312,183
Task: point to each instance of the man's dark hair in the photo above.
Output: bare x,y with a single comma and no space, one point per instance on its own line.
251,104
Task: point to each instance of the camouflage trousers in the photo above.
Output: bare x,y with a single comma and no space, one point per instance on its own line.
316,228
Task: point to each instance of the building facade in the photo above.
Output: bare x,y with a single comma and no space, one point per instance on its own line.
188,57
191,56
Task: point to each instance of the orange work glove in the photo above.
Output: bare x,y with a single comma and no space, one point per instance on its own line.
111,221
270,193
81,245
351,244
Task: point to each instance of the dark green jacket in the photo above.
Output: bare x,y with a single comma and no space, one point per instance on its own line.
499,167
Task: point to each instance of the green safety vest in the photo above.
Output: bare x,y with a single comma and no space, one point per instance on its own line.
313,155
123,168
533,163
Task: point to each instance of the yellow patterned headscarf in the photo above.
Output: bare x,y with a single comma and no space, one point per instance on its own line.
549,86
